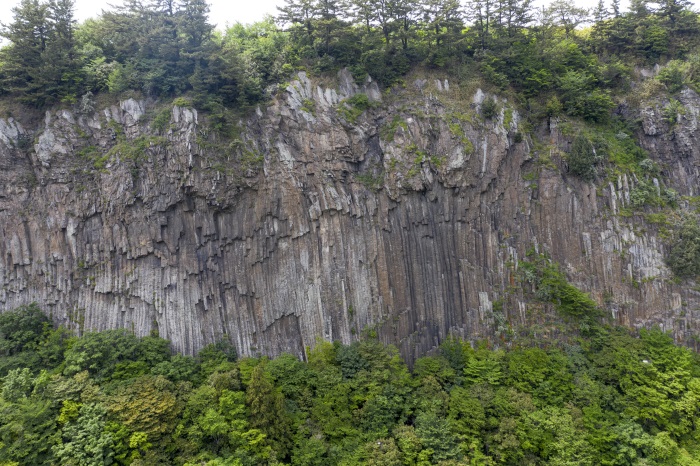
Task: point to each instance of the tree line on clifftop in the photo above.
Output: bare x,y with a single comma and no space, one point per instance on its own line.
559,58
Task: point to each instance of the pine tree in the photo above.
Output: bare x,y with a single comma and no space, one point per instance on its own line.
161,50
616,8
442,20
566,15
405,16
516,15
266,410
482,14
194,36
61,69
22,59
600,13
387,15
299,14
361,12
328,21
680,21
639,8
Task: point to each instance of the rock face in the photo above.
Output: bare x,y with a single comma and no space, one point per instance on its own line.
321,219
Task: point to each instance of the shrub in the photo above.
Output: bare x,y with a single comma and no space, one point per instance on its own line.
645,193
597,106
684,258
583,158
553,107
673,111
353,107
489,108
672,77
21,329
162,119
552,286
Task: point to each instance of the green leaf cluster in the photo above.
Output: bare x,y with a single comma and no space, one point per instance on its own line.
167,49
609,398
550,285
684,257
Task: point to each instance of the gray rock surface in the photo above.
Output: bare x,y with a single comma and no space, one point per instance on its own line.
410,220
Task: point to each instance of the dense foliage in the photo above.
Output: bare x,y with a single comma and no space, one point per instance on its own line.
608,397
168,47
684,258
611,398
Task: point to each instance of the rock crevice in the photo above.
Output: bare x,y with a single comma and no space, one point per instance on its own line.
407,219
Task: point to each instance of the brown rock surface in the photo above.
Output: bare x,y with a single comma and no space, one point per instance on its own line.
409,218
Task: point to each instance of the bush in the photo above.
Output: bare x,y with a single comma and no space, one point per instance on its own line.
582,98
115,354
684,258
597,106
489,108
353,107
673,111
645,193
21,329
553,107
552,286
583,158
672,77
162,119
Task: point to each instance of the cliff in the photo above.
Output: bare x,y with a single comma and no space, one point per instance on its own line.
405,214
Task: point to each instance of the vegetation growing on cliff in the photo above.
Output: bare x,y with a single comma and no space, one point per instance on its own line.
684,258
611,398
557,62
169,48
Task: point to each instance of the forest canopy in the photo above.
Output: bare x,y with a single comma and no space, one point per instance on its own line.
568,58
610,397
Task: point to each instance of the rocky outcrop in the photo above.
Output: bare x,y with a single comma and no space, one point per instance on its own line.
405,214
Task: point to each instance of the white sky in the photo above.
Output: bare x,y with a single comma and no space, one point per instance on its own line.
222,11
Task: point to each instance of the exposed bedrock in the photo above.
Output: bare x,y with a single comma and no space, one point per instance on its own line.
324,221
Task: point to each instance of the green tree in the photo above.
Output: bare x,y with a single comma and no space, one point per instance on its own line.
27,423
22,329
194,33
583,158
485,367
386,14
482,14
147,404
544,375
111,352
515,16
466,414
301,16
362,12
434,433
84,440
566,15
442,20
17,385
266,410
684,258
29,34
600,13
61,73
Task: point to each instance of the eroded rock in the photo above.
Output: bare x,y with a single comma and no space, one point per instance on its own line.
411,219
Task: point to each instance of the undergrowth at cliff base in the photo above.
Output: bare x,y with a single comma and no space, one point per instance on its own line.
611,398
